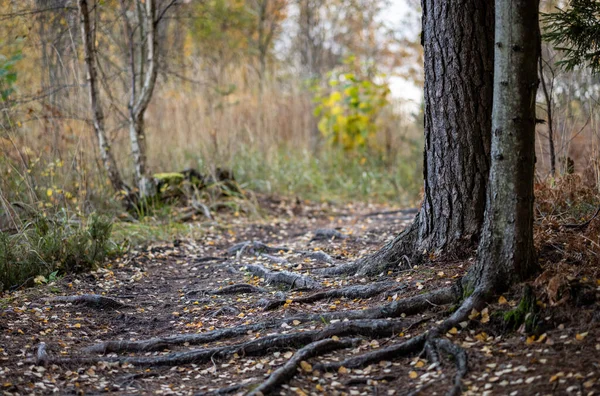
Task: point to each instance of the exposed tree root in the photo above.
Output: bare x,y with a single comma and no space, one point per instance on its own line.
344,269
364,380
359,291
275,259
371,328
431,342
460,360
208,259
89,300
408,306
231,289
160,343
318,255
41,355
225,311
369,323
227,390
396,253
392,352
255,247
323,234
288,370
282,277
391,292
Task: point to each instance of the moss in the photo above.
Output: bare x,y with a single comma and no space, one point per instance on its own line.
171,178
468,291
527,312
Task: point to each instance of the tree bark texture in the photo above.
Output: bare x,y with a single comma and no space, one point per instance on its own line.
138,105
87,36
458,44
459,60
506,252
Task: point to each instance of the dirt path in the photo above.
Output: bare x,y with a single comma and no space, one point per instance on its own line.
181,287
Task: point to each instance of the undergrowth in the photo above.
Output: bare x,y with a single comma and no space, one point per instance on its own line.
57,245
332,175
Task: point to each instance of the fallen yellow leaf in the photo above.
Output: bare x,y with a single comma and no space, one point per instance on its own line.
474,314
307,367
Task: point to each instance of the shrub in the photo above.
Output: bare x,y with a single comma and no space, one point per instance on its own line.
50,246
349,107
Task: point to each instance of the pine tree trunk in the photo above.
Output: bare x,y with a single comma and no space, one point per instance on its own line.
458,45
458,39
506,252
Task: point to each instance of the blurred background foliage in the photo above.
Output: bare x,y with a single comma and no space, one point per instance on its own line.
236,89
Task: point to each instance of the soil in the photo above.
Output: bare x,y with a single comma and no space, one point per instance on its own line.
168,289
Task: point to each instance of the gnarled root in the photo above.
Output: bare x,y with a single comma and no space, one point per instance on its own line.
409,306
89,300
352,292
372,323
373,328
288,370
396,253
255,247
231,289
283,277
396,351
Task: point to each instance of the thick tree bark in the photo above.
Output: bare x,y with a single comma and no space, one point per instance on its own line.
506,252
458,39
87,37
458,44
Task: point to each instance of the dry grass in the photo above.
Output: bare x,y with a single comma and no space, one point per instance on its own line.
269,140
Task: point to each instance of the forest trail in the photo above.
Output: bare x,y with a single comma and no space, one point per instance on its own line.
198,287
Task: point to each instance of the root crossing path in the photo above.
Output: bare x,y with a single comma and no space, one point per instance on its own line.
261,317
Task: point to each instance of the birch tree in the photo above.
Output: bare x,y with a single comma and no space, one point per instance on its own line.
89,50
143,70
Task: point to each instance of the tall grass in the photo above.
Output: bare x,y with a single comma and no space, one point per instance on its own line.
268,138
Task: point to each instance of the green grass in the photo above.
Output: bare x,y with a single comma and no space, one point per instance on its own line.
332,175
48,247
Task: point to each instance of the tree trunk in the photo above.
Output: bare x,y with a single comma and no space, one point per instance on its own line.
550,122
458,46
506,252
139,102
89,49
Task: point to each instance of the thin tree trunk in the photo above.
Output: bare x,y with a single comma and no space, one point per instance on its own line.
108,159
506,252
548,98
458,46
137,108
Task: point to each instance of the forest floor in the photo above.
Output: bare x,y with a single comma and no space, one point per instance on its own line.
174,288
